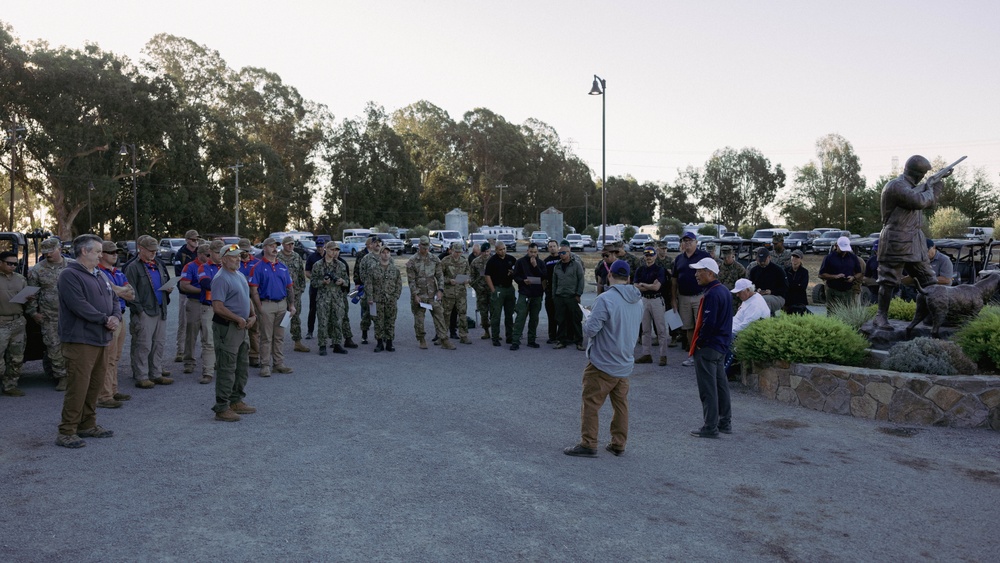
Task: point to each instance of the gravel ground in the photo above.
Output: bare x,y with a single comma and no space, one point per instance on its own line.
434,455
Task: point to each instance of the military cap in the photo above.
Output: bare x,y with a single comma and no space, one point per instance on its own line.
269,240
216,245
727,250
203,248
287,239
50,244
191,234
424,241
484,247
331,245
456,245
244,244
661,244
709,246
147,242
777,236
109,246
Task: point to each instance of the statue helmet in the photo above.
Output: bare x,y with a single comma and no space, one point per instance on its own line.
916,167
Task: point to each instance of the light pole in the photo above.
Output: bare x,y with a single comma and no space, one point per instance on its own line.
90,209
135,190
236,200
14,138
599,89
501,187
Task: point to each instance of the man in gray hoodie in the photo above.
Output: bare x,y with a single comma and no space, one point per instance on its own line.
612,326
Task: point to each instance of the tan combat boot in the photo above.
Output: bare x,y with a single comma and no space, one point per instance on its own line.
446,344
421,343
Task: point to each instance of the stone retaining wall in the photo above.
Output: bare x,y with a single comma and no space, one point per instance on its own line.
907,398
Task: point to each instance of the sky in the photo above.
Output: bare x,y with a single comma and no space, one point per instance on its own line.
684,79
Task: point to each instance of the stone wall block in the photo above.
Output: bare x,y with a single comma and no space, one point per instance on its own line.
908,407
825,382
943,397
881,392
882,413
855,388
809,396
783,378
794,381
839,401
994,418
802,370
768,382
968,412
864,407
787,395
990,398
919,384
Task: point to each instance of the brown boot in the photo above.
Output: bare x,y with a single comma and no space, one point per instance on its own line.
486,334
421,343
647,359
300,347
61,383
227,416
465,340
446,344
242,408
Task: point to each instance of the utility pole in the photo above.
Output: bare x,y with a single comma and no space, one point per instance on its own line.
14,138
236,167
501,188
90,209
586,210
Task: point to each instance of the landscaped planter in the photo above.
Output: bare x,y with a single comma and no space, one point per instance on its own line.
970,401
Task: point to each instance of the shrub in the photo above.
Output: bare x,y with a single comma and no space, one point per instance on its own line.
980,339
668,226
709,230
853,314
801,338
929,355
899,309
418,231
435,225
628,233
529,228
948,222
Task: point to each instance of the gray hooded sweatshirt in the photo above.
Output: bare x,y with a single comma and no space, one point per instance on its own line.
613,328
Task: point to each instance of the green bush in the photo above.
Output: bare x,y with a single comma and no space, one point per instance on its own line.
668,226
801,339
417,232
929,355
628,233
853,314
709,230
980,339
948,222
899,309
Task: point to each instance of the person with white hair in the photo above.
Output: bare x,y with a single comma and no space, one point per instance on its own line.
753,306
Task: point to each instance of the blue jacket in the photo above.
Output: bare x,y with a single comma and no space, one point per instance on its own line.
716,330
613,327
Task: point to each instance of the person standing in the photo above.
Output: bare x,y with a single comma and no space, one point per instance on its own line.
190,294
206,273
568,280
550,301
367,257
310,261
270,285
330,275
247,262
44,308
188,252
426,280
88,316
713,333
500,280
148,314
770,280
109,397
12,323
649,279
455,292
603,270
612,327
686,291
796,301
296,270
477,271
385,284
840,270
529,271
232,313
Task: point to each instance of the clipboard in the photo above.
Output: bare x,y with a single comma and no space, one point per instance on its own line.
286,321
461,278
427,306
23,295
674,321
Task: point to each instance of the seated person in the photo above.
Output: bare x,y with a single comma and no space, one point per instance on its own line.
940,264
769,280
752,308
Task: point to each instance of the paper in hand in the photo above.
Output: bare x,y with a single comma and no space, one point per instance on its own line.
286,321
170,284
23,295
673,319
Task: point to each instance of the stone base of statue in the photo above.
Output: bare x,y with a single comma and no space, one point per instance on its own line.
884,339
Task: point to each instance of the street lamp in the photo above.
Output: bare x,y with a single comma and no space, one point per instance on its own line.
135,191
599,88
501,187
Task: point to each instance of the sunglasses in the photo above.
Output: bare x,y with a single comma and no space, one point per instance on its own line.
605,255
10,263
563,253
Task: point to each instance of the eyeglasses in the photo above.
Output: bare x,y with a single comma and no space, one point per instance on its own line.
193,239
605,255
10,263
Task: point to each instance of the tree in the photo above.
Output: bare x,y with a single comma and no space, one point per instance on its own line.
823,188
430,137
971,192
673,200
948,222
739,184
669,226
629,202
492,153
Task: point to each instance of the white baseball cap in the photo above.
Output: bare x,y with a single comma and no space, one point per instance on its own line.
706,264
742,284
844,244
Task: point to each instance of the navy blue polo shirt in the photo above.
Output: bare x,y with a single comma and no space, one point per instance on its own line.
650,274
834,264
687,284
271,279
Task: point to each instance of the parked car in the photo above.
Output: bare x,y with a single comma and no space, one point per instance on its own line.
607,239
673,242
352,245
798,240
304,247
168,249
508,240
394,244
475,239
441,240
575,242
824,243
541,238
764,236
639,241
979,233
588,241
702,240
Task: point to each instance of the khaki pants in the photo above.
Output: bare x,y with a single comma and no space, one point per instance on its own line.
192,328
597,385
653,316
85,370
181,323
112,356
149,334
199,319
272,336
232,346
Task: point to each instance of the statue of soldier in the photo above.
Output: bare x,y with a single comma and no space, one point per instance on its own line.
455,292
384,285
477,278
297,269
902,244
426,281
44,309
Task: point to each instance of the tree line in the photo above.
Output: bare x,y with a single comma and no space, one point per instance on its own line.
189,119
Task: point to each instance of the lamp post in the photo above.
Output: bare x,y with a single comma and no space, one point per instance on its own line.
501,187
598,89
236,199
90,209
126,148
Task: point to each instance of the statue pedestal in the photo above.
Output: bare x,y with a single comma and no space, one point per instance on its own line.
884,339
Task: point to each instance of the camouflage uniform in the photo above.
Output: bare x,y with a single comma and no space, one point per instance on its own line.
455,295
297,270
728,274
345,327
477,279
45,275
12,334
329,301
783,260
361,267
425,277
384,285
633,263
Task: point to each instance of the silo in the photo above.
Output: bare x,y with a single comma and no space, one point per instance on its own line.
551,222
457,220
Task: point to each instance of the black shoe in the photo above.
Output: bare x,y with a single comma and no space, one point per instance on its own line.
615,450
322,350
496,342
364,337
514,346
550,341
532,345
349,344
580,451
388,346
255,363
309,336
726,429
703,433
379,346
454,336
338,349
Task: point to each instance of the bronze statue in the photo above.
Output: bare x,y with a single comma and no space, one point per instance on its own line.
902,244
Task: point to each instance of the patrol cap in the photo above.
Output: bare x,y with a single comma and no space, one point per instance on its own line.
244,244
109,246
269,240
287,239
331,245
797,253
620,268
191,234
727,250
216,245
49,244
454,246
709,246
424,241
777,237
147,242
232,250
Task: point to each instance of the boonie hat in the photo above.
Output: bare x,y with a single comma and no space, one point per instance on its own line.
620,268
742,284
706,264
844,244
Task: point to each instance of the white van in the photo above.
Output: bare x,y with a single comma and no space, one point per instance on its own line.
356,233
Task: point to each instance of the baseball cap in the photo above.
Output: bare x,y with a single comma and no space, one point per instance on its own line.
649,251
762,253
689,235
742,284
192,234
287,239
930,243
331,245
424,241
147,242
269,240
706,264
844,244
50,244
231,250
484,247
244,244
109,246
874,247
797,253
620,268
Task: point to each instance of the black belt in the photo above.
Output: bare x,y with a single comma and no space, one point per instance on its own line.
651,295
273,300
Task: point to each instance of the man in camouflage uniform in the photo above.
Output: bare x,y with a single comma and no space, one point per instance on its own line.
367,257
384,285
426,281
44,309
633,262
779,254
330,275
296,268
729,271
11,324
455,292
477,278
